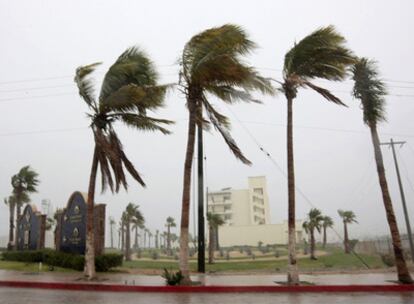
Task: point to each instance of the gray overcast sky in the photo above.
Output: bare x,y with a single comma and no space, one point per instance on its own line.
47,40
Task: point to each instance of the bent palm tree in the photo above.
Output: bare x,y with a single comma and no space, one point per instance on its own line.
214,221
370,90
314,222
132,214
23,183
348,217
327,222
128,91
211,63
322,54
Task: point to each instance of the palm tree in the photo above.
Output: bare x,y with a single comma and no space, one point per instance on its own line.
348,217
23,183
149,238
214,221
11,202
327,222
128,91
314,221
157,234
371,91
111,224
169,224
211,63
145,237
322,54
137,223
131,214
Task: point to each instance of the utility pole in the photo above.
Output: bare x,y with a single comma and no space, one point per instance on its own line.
407,219
201,243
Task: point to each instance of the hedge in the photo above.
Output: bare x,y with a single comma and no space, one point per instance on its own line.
65,260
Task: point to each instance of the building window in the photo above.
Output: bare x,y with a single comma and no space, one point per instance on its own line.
258,191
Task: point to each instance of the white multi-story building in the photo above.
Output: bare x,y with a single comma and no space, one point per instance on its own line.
242,207
247,216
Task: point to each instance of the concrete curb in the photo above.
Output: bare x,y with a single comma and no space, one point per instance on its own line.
208,289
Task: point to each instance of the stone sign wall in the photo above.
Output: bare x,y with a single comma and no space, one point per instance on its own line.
31,229
70,233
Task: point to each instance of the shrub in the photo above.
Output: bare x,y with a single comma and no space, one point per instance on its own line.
388,260
154,255
62,259
172,278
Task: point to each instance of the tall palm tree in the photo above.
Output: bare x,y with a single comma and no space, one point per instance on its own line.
348,217
149,238
23,183
137,223
111,225
131,214
145,237
214,221
128,91
170,222
322,54
371,91
314,222
211,63
327,222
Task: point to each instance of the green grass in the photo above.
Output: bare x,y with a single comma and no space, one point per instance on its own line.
29,267
337,260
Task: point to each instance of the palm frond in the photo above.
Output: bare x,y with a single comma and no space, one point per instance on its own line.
325,93
223,130
132,97
322,54
85,84
370,90
132,67
144,122
230,94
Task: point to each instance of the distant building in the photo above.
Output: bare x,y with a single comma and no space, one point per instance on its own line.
247,216
242,207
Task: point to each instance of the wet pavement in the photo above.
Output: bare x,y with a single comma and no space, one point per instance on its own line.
37,296
208,279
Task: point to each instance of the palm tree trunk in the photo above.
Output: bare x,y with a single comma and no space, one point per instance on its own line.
18,214
128,241
346,241
123,237
324,237
12,206
112,235
216,239
312,244
136,238
119,240
168,239
403,274
211,244
185,208
89,269
293,275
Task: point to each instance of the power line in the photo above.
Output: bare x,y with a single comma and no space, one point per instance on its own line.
37,88
38,96
42,131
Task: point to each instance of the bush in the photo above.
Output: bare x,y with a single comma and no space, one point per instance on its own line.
62,259
154,255
172,278
388,260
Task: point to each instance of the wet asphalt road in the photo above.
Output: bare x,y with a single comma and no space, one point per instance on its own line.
39,296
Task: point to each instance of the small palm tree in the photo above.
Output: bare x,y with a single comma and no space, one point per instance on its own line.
23,183
137,223
322,54
128,91
11,203
348,217
111,225
170,222
313,223
149,238
371,91
157,239
132,214
211,63
214,221
327,222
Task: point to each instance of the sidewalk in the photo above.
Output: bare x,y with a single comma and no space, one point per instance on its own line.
385,279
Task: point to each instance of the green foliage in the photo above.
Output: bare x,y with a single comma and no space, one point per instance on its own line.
65,260
155,255
347,216
370,90
172,278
